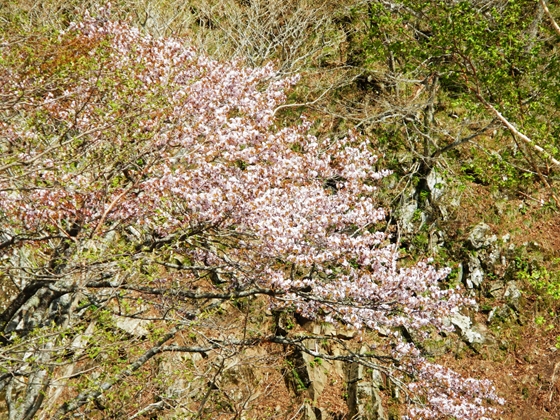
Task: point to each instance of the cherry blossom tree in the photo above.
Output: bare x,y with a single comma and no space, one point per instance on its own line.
141,181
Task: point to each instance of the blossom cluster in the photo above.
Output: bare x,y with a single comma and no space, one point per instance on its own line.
445,393
126,130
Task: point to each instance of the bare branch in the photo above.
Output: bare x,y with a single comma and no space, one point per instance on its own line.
552,20
516,132
89,395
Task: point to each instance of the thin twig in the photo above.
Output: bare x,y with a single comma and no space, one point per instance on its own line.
516,132
552,21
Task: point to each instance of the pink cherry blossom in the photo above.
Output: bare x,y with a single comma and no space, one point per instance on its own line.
163,139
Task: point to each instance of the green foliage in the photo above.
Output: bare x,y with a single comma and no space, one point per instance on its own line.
467,54
296,378
317,361
539,277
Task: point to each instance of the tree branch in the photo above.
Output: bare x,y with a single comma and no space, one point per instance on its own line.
189,294
89,395
550,17
516,132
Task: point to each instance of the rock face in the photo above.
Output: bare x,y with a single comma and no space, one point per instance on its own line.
309,412
436,184
364,399
314,413
512,295
464,326
316,372
484,255
406,217
476,273
480,236
312,378
132,326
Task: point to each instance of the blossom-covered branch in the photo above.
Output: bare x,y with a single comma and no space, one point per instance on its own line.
136,170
